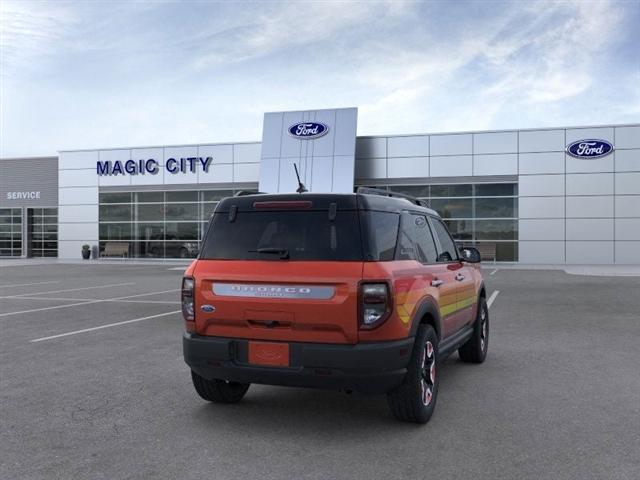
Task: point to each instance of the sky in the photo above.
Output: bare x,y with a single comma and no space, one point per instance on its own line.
97,74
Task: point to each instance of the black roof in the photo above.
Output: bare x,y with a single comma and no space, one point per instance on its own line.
322,201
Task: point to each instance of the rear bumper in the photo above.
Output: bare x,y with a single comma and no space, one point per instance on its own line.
368,367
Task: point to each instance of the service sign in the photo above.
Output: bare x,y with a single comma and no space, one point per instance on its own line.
589,149
308,130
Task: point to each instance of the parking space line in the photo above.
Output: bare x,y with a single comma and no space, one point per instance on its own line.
28,284
493,273
109,325
492,298
72,289
89,302
67,299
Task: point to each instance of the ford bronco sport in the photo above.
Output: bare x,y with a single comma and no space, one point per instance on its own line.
360,292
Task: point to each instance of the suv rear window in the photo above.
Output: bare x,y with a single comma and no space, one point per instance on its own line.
303,235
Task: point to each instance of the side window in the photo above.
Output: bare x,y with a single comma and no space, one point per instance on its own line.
416,242
448,253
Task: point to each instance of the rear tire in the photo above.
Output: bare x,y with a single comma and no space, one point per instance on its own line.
475,350
415,400
219,391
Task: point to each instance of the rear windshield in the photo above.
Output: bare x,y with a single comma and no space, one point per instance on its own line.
294,235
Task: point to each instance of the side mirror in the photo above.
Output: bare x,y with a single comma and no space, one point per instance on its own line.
470,255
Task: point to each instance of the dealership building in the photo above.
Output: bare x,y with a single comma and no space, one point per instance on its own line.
567,195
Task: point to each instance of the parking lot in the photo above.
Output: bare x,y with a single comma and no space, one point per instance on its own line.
93,386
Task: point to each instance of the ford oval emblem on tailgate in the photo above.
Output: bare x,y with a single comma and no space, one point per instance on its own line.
208,308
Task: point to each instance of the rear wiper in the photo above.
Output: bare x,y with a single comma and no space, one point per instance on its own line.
283,252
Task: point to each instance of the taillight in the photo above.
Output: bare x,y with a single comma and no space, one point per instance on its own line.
375,304
187,299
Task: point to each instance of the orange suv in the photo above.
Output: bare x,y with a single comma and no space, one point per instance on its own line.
359,292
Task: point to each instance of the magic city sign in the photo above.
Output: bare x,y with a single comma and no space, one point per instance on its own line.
589,148
152,167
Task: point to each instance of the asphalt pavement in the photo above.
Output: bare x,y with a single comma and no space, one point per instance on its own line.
93,386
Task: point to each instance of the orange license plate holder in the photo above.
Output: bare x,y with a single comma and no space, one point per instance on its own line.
269,354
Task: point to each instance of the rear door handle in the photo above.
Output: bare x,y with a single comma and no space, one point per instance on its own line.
436,283
459,277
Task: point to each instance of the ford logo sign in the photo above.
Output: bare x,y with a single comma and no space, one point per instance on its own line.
589,148
308,130
208,308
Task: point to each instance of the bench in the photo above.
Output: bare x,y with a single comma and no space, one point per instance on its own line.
487,251
115,249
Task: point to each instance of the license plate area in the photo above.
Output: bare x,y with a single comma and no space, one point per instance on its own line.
269,354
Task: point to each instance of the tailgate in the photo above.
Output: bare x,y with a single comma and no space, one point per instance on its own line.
299,301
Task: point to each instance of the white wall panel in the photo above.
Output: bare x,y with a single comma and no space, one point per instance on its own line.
78,196
495,142
219,153
627,137
541,185
541,252
583,165
417,146
590,207
217,174
628,229
78,231
459,144
452,166
374,147
78,213
246,172
408,167
628,183
86,159
346,130
372,168
73,248
544,229
627,253
77,178
590,184
505,164
627,160
589,229
589,253
324,145
541,207
542,141
321,176
341,182
272,127
545,162
246,153
628,206
604,133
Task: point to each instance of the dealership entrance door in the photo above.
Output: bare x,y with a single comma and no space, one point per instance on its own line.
42,232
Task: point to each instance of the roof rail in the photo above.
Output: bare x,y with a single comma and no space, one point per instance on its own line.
242,193
388,193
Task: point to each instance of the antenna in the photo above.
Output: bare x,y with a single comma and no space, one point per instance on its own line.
301,188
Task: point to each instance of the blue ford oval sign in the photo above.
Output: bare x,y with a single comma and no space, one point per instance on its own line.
308,130
589,148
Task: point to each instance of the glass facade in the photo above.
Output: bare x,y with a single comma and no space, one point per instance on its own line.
42,229
481,214
10,232
157,224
